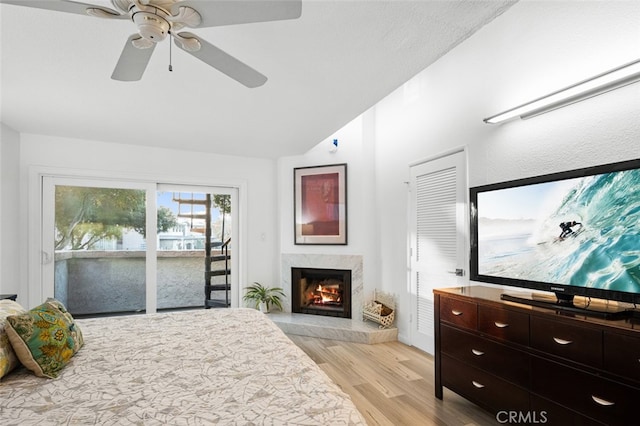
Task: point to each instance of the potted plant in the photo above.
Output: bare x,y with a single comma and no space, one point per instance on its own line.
263,297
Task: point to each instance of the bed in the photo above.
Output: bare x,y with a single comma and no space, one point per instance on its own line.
217,366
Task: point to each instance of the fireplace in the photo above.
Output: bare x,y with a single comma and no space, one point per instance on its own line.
321,292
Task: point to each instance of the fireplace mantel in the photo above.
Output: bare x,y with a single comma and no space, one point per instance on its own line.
354,329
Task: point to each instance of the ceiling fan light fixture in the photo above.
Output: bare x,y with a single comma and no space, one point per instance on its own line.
142,43
151,26
190,44
186,16
122,5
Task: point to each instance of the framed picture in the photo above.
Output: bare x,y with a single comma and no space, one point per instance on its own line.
320,199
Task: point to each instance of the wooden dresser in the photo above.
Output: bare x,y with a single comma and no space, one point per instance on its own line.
534,364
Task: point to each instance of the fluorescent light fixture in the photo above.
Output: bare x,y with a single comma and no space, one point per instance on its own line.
594,86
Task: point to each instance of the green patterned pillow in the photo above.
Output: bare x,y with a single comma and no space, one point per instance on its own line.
77,336
45,338
8,359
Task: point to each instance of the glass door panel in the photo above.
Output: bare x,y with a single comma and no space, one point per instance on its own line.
193,225
100,249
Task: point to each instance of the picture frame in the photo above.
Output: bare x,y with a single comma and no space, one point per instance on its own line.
320,204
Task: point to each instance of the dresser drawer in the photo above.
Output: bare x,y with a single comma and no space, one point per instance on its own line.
483,388
553,414
504,324
595,397
458,312
580,344
507,363
622,355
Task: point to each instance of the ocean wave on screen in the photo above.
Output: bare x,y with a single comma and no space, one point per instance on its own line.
606,253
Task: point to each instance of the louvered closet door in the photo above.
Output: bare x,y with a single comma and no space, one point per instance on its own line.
438,238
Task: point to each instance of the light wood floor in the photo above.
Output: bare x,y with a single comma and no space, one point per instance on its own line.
391,383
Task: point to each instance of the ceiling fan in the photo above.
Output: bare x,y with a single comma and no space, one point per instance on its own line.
157,19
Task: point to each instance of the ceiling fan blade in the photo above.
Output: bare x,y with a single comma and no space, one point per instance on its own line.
226,12
133,61
223,62
67,6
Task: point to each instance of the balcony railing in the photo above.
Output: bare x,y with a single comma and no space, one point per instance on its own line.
103,282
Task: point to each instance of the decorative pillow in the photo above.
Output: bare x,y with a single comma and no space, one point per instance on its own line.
45,338
77,336
8,359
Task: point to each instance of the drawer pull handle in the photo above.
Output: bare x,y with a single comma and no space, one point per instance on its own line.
602,401
477,352
479,385
562,341
456,313
501,324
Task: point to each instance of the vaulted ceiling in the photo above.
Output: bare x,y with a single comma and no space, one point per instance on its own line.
324,69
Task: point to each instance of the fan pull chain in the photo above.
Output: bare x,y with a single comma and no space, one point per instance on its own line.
170,66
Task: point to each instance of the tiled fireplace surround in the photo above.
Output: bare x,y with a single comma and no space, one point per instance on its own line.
353,329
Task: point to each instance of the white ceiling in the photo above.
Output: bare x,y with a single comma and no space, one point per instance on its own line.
324,69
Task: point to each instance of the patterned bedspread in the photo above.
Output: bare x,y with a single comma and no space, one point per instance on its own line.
217,366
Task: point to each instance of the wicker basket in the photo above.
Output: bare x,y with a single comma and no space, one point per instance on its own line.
375,310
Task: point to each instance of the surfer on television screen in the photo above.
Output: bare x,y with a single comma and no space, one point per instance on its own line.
566,228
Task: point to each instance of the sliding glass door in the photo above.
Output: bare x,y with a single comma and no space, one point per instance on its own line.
126,247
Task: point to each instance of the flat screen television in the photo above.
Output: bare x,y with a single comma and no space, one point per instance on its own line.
574,233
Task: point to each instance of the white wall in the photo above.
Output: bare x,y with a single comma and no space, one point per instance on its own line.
10,278
533,49
165,166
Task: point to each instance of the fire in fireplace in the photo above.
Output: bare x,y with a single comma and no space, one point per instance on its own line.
321,291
